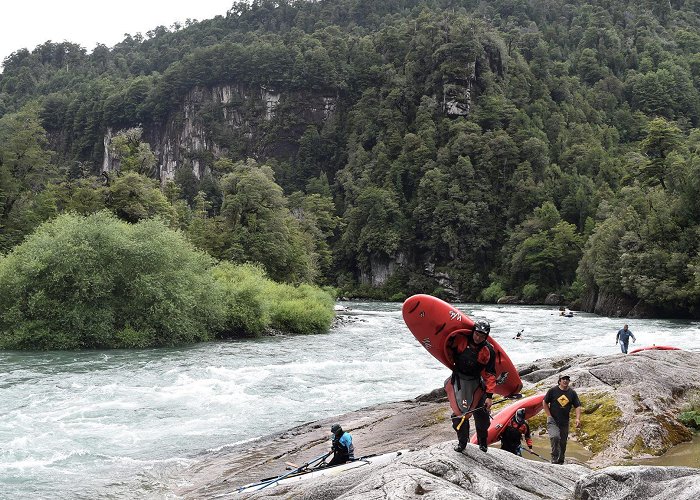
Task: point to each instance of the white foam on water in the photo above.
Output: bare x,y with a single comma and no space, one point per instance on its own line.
102,418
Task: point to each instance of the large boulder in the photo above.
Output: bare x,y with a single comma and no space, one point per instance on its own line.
630,408
631,403
438,472
617,483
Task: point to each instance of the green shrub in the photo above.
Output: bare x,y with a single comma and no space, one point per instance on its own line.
252,302
97,282
246,312
303,309
493,292
530,292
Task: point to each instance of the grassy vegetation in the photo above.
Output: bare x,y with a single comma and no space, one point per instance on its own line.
99,282
600,418
690,414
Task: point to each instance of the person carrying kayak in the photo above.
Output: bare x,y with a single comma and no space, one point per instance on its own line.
623,337
474,380
342,447
511,437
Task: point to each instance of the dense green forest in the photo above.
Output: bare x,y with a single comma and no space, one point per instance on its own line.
476,149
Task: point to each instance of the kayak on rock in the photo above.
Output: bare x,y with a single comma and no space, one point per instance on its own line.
656,347
307,471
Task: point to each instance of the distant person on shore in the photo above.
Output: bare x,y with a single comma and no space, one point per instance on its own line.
557,405
623,337
473,378
342,447
511,437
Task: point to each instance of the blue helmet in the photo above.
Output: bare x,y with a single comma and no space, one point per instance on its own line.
520,415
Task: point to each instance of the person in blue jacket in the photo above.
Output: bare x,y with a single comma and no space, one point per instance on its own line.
342,447
623,337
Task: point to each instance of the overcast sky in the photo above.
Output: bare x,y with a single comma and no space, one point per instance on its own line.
28,23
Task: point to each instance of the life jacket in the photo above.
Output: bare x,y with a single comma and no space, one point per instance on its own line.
472,360
513,432
344,447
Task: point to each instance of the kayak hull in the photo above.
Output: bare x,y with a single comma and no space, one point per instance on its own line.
433,322
335,470
532,405
656,348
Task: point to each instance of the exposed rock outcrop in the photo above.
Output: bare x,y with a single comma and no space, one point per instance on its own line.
213,120
630,407
437,472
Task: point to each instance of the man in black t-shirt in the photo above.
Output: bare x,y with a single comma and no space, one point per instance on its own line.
557,405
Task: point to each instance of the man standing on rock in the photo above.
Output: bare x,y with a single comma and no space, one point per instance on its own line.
623,337
473,380
557,405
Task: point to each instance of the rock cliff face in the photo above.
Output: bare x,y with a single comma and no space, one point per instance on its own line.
630,406
256,122
609,304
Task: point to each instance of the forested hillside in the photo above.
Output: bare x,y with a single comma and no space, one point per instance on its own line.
468,149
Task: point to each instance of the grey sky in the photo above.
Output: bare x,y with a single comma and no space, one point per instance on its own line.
28,23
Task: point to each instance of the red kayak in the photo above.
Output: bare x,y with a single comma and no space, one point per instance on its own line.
532,405
656,347
433,322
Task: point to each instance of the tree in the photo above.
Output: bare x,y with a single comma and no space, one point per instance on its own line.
97,282
662,138
25,170
131,154
261,228
133,197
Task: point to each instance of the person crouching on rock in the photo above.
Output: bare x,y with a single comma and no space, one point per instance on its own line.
342,447
511,437
473,380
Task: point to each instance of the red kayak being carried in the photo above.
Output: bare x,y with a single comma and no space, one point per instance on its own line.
656,347
433,322
532,405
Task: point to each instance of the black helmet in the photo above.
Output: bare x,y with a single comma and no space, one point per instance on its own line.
520,415
483,326
336,429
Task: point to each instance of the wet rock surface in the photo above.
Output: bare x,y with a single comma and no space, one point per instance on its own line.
648,389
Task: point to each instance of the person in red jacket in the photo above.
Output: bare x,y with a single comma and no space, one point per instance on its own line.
511,437
474,380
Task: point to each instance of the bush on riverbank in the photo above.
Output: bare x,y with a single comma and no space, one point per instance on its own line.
253,303
304,309
98,282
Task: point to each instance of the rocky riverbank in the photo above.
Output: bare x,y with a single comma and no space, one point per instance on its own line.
630,412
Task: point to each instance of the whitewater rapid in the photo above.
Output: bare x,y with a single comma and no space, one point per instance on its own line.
117,424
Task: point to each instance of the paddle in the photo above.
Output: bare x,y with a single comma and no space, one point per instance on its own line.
268,482
536,454
498,401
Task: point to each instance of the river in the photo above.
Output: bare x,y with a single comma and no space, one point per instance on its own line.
119,424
